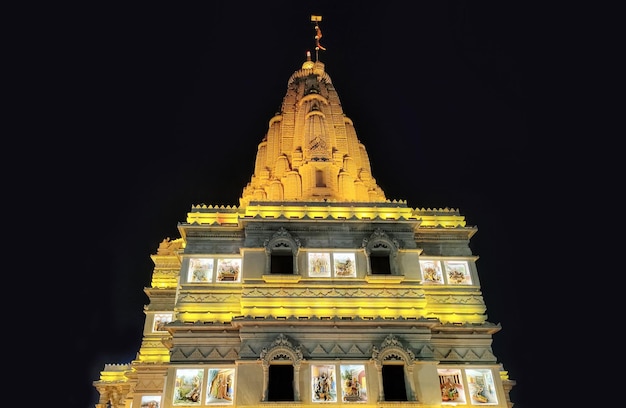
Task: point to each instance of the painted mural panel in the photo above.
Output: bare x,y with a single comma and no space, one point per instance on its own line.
324,383
344,265
200,270
458,273
151,401
319,264
160,320
431,272
481,386
451,384
188,387
228,270
220,386
353,383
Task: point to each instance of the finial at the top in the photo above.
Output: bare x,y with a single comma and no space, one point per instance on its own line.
318,35
308,64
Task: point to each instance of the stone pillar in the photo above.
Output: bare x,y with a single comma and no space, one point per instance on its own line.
296,381
266,381
381,391
408,373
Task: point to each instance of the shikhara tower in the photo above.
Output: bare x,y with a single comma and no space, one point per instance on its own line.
317,288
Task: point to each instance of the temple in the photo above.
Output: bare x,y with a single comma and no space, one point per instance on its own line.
315,288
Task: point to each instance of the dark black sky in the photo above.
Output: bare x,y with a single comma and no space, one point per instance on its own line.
162,107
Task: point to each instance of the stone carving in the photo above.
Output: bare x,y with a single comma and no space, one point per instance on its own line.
392,349
169,247
282,349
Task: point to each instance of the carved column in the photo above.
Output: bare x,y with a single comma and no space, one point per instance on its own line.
266,380
296,381
408,373
381,390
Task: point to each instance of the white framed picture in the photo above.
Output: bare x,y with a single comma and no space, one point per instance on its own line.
200,270
431,271
458,273
228,270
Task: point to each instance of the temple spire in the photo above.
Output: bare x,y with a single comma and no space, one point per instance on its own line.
318,36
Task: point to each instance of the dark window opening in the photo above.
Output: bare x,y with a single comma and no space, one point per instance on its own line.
380,264
281,264
280,386
319,179
393,383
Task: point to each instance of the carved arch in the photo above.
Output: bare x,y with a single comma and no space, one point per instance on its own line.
282,242
281,350
379,240
315,96
282,239
379,243
392,350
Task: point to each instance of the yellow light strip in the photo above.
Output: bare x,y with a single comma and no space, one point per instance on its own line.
231,216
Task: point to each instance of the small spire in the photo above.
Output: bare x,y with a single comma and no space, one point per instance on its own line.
308,64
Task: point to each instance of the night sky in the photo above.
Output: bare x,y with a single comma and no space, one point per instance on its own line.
164,108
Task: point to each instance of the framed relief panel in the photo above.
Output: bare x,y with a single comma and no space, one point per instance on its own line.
200,270
160,320
451,384
220,387
150,401
319,264
336,264
323,383
353,383
344,265
228,270
457,273
482,390
188,386
431,271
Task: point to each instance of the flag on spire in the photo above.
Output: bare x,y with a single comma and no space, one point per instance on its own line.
318,33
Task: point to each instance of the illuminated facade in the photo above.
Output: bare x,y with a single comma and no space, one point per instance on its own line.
316,289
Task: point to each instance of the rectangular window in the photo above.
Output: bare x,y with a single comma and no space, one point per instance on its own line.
188,386
380,264
393,383
281,263
353,383
451,384
319,179
220,388
327,264
280,385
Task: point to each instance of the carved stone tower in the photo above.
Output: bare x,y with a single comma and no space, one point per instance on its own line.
315,288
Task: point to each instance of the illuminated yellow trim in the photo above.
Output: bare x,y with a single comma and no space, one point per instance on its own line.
384,278
232,216
282,278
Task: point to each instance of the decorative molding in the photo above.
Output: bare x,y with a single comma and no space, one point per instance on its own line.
281,349
277,278
392,349
327,292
